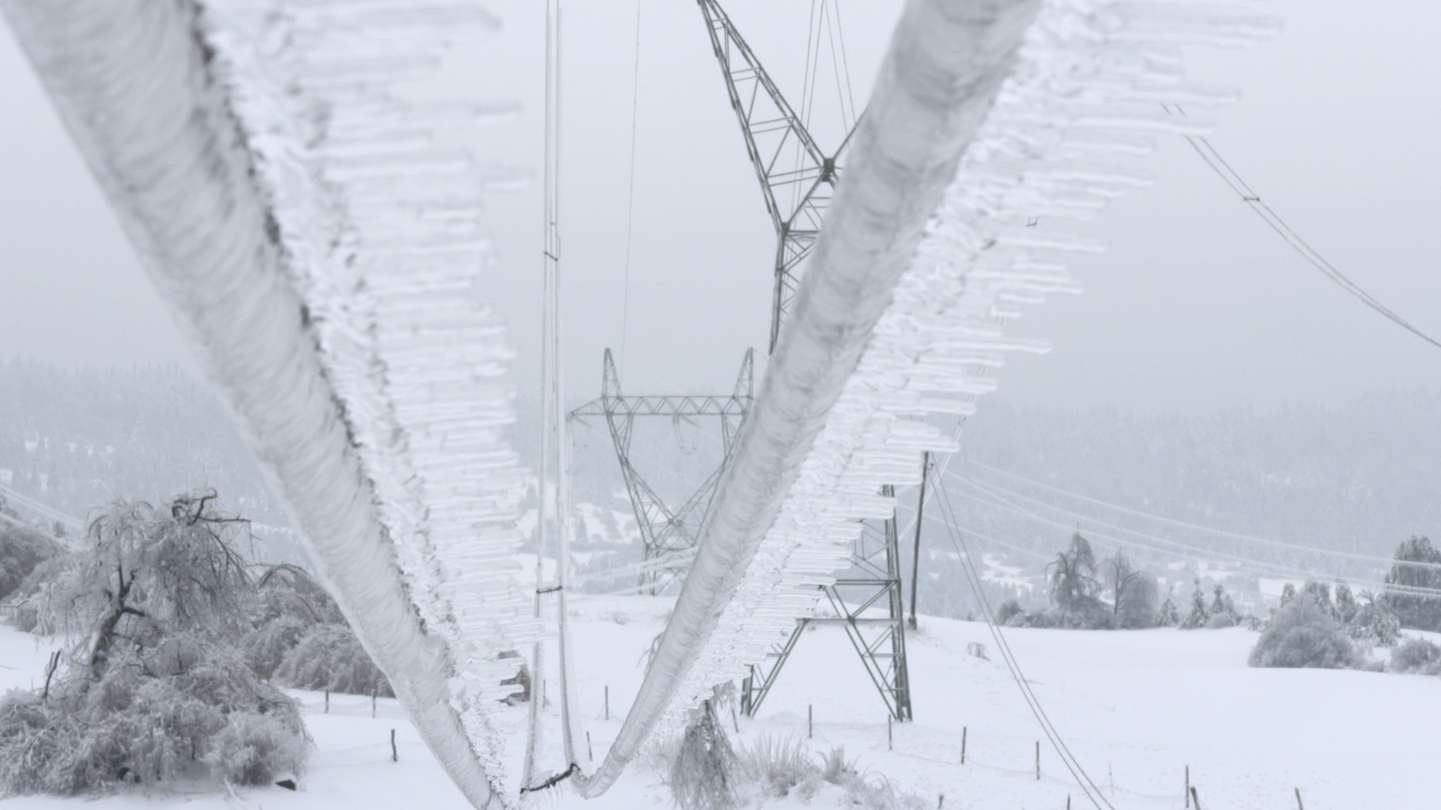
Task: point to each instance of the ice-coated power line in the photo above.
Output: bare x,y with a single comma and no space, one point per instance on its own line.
1232,178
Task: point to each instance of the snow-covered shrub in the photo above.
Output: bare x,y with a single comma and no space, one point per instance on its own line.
1008,608
780,767
1416,655
153,679
836,767
256,750
1302,634
21,550
703,773
329,656
149,717
1222,620
27,608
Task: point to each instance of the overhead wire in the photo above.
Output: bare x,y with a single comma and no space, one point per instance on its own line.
1222,168
1038,712
630,188
1233,535
828,21
845,63
1157,544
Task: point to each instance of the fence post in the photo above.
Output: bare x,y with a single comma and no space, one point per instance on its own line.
374,693
607,702
394,754
1195,798
1186,791
941,802
1038,760
810,721
327,701
1299,805
963,744
890,739
1068,801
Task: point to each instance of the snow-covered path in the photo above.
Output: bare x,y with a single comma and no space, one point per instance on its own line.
1136,707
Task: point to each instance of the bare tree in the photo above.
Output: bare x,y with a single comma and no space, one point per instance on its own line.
1121,575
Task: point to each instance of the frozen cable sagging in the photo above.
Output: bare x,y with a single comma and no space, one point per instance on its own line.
1039,111
319,235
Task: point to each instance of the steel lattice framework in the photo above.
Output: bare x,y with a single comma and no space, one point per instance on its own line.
796,177
665,529
797,181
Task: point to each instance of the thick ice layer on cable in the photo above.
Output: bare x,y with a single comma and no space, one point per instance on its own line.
378,199
1060,142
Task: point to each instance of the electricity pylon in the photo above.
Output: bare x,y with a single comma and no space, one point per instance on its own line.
665,529
797,180
798,193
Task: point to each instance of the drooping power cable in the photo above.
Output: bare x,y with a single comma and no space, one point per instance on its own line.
1223,169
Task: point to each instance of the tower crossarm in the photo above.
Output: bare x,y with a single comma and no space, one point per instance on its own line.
774,134
672,406
796,177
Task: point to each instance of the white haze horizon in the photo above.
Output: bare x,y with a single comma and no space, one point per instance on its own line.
1196,307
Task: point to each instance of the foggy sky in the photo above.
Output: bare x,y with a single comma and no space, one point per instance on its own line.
1197,305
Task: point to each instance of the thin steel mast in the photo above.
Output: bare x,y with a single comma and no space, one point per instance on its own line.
554,524
797,180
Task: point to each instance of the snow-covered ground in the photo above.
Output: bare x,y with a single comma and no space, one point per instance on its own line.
1136,707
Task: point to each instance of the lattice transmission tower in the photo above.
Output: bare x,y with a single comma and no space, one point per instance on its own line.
667,530
797,180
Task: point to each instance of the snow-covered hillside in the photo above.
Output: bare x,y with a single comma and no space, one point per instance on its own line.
1136,707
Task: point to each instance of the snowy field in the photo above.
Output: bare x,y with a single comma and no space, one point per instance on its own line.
1136,707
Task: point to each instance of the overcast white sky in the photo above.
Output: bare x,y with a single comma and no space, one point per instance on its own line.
1197,304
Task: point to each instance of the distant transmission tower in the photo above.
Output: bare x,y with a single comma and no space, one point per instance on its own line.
667,529
798,180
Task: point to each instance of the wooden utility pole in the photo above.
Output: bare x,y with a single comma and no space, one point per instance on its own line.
920,518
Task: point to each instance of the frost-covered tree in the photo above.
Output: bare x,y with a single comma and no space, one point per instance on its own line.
1413,568
1138,603
1374,622
1346,605
1320,593
1199,614
329,656
1072,575
1222,611
152,687
1288,593
287,604
1120,573
1167,615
